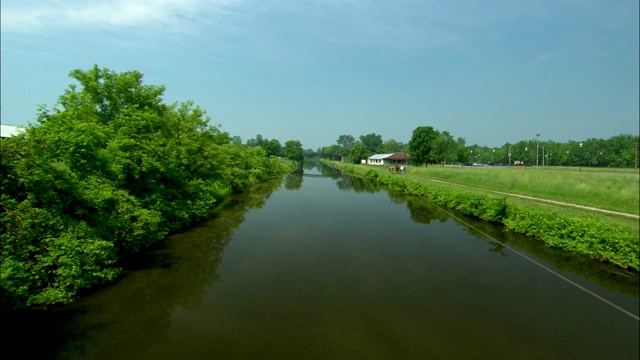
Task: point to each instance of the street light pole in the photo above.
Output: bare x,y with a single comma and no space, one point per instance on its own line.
537,137
580,157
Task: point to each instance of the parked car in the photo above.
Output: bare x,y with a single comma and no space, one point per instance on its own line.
477,164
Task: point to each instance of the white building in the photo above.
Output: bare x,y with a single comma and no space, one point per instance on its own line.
10,130
389,159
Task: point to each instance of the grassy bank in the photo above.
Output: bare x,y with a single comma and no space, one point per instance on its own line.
617,191
605,237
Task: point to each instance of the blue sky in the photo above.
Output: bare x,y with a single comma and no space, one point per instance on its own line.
489,71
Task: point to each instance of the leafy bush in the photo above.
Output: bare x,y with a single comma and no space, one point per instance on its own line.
588,236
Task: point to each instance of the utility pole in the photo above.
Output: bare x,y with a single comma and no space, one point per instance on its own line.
637,141
537,137
580,157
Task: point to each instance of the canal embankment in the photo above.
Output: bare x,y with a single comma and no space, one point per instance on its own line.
601,235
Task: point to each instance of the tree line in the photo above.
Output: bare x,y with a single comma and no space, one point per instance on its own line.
108,172
428,145
292,149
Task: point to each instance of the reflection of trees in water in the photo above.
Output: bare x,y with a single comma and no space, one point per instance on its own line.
312,162
424,212
606,275
293,181
330,172
498,249
356,184
175,275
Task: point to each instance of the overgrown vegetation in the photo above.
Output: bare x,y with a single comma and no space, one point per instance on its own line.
580,234
108,172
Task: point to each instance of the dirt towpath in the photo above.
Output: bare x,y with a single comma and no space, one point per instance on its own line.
635,216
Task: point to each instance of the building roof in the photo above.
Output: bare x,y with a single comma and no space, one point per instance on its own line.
379,156
394,156
399,156
10,130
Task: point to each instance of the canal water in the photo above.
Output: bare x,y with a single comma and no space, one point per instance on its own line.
322,266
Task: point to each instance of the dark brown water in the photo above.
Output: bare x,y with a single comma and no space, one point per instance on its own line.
328,268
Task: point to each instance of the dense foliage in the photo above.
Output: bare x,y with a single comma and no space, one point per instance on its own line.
422,144
359,152
108,172
271,147
373,142
293,150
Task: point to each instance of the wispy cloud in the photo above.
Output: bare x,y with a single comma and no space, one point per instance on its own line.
544,57
173,15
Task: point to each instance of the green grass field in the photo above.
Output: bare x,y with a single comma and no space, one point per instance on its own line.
609,189
616,190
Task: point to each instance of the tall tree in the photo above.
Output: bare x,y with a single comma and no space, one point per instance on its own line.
272,147
392,146
359,152
258,141
421,143
443,147
372,141
346,141
293,150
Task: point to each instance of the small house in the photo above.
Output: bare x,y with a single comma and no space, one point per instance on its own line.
389,159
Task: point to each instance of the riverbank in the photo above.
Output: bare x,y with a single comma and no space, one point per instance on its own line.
602,236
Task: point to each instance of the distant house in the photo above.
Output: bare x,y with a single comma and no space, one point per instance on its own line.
389,159
10,130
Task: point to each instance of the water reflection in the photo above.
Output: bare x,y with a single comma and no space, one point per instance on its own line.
175,275
580,268
315,274
294,180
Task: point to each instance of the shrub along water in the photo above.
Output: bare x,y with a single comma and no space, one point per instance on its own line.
584,235
107,173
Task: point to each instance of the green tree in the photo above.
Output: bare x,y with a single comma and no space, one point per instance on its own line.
372,141
258,141
443,147
272,147
421,143
462,153
293,150
359,152
392,146
346,141
333,152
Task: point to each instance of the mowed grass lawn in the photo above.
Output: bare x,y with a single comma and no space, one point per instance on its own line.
609,189
616,190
